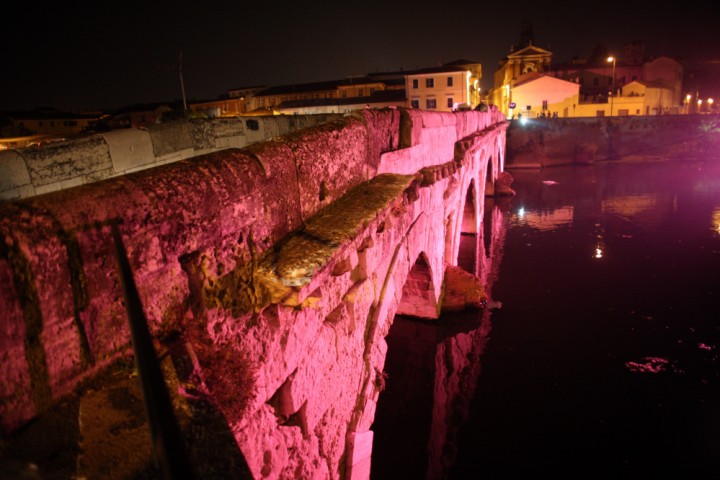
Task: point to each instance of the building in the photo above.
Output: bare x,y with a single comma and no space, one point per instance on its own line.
522,80
221,107
602,78
520,61
445,88
141,115
19,129
379,99
536,94
237,101
52,123
635,98
335,96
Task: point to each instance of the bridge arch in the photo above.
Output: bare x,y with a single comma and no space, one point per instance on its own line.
418,293
467,247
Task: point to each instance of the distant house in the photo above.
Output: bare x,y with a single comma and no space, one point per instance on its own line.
236,102
334,96
141,115
523,59
51,122
444,88
635,98
379,99
537,94
19,129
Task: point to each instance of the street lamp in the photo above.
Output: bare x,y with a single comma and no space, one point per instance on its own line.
688,97
612,89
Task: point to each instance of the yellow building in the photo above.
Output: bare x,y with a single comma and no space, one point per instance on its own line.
537,94
520,62
446,88
635,98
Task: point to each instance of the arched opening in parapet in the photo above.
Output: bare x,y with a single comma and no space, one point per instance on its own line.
467,251
418,293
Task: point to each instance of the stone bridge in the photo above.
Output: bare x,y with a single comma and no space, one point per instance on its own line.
269,277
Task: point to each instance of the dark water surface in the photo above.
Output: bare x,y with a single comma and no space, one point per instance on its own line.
602,360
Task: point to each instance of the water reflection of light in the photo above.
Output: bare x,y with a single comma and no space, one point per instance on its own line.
600,245
545,220
643,208
716,220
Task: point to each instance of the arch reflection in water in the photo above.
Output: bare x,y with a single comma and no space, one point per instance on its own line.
431,370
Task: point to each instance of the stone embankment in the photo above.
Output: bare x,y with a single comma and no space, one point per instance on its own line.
560,141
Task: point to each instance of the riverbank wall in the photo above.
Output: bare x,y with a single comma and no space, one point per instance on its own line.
538,143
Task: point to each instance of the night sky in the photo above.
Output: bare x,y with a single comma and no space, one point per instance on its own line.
82,55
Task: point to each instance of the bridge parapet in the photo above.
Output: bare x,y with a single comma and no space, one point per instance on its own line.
34,171
268,262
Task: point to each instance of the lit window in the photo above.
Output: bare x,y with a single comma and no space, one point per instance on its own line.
429,82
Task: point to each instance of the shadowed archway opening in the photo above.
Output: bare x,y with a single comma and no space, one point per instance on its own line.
418,293
403,416
467,253
489,179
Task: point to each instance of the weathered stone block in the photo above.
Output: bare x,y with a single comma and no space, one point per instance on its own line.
14,172
66,160
171,137
359,455
129,149
330,159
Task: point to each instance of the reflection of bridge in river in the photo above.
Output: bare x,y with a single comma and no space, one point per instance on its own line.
432,370
270,277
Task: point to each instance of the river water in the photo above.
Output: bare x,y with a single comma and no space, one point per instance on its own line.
598,356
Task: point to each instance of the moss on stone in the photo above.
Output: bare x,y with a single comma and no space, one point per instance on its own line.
295,260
